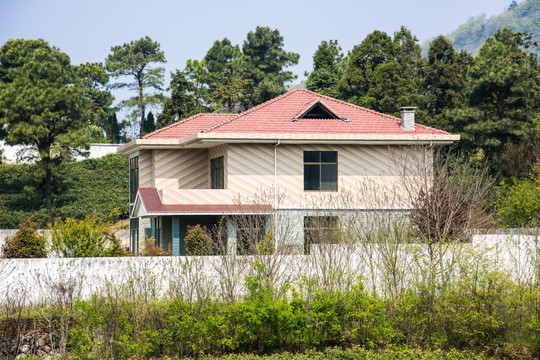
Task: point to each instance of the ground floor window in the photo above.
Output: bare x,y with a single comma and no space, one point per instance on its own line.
134,235
250,231
320,230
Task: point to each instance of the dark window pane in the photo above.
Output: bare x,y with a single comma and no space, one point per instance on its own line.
311,156
328,177
217,173
311,177
329,156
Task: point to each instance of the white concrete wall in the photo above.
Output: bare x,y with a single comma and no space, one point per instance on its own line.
516,256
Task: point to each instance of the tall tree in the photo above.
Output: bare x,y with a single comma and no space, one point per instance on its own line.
42,105
150,123
182,102
445,84
327,69
94,78
504,96
232,91
218,59
134,60
264,63
382,73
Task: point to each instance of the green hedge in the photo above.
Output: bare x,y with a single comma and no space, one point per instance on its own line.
96,187
359,353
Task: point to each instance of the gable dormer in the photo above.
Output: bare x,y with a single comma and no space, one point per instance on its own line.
317,110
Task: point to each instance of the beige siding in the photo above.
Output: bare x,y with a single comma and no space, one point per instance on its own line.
146,173
368,176
185,169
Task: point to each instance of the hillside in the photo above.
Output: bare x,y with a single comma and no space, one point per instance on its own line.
525,17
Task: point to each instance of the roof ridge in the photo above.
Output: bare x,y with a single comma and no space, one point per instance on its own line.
183,121
249,111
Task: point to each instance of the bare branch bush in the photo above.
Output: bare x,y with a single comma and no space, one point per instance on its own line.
58,290
188,280
266,239
332,264
13,325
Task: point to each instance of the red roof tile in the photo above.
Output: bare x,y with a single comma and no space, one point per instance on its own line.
153,205
276,116
188,126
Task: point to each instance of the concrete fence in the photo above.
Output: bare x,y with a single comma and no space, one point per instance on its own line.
385,269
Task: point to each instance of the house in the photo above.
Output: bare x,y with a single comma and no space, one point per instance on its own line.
295,162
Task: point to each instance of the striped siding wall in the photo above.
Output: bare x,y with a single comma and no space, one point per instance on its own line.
146,173
185,169
369,176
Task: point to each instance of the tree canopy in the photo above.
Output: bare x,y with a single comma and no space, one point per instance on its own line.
43,105
133,62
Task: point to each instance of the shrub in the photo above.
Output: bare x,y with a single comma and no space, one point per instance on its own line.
518,202
197,241
97,187
151,249
26,243
84,238
456,202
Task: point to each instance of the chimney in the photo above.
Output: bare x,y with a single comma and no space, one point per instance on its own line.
407,117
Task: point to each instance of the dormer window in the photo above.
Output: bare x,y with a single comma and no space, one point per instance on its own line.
318,110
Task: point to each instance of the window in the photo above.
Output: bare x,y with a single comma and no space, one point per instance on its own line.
319,230
217,173
320,170
134,235
156,224
133,178
250,230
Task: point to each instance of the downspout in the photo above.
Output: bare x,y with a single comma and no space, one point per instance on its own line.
275,196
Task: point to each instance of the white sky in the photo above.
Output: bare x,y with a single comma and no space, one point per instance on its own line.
87,29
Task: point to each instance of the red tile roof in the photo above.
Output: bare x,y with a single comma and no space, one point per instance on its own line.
276,116
189,126
153,205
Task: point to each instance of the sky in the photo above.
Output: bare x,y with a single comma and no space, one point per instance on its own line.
87,29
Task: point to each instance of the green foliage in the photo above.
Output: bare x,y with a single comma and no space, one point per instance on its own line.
89,187
94,79
503,101
328,65
382,73
43,106
264,61
517,202
84,238
444,76
26,243
197,241
182,103
134,60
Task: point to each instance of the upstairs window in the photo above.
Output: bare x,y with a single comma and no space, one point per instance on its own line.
217,173
133,178
320,170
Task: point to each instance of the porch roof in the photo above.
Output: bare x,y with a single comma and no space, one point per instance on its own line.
148,203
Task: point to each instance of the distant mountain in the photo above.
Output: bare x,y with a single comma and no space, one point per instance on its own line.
524,17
